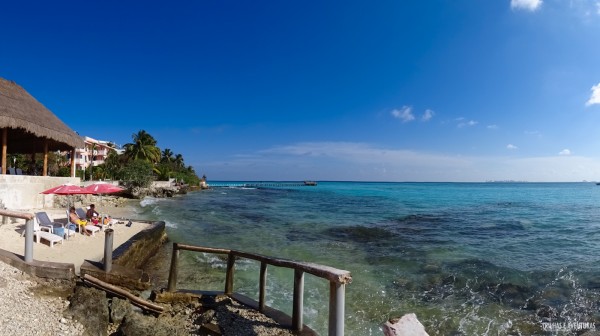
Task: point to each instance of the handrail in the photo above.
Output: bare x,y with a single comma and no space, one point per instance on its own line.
337,279
16,214
28,230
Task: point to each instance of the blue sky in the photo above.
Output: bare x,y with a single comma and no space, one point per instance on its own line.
460,90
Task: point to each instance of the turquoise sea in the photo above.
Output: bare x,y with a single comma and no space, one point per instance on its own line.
467,258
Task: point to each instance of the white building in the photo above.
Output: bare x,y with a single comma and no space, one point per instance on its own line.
93,154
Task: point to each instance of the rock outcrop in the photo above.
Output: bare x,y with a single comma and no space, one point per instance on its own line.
407,325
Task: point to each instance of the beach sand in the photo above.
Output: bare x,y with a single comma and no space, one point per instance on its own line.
78,247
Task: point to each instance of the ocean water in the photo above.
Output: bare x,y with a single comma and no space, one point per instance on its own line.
467,258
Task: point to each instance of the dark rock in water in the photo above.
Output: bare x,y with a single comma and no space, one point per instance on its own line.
89,306
359,233
430,268
555,296
547,312
514,295
532,304
416,219
526,328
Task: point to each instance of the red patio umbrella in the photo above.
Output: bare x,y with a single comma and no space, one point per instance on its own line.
103,188
66,189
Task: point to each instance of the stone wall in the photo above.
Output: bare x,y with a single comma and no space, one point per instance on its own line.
19,192
162,184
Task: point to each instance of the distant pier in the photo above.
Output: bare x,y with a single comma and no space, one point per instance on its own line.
262,184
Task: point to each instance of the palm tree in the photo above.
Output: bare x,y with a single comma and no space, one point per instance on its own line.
112,164
178,161
162,171
167,155
143,148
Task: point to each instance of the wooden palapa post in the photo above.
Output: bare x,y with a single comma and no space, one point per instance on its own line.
4,146
45,171
73,162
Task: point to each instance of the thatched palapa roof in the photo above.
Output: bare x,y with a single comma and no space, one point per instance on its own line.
31,124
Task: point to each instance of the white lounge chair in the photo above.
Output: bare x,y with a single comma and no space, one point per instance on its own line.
38,234
58,229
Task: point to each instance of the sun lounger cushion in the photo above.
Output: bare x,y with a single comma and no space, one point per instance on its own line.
52,238
92,228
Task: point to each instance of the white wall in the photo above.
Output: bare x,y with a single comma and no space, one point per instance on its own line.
22,192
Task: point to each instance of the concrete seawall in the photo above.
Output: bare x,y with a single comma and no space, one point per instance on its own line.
129,257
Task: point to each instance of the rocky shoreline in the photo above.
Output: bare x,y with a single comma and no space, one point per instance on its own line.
36,306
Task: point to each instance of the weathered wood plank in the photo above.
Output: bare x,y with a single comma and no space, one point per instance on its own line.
16,214
329,273
121,292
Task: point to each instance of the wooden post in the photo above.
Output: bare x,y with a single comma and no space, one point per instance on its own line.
172,286
31,163
4,147
263,286
229,276
45,170
73,162
337,299
29,240
297,323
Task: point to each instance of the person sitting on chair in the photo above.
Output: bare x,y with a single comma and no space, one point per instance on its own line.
73,218
93,215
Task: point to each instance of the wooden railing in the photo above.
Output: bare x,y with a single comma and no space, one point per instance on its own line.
28,230
337,282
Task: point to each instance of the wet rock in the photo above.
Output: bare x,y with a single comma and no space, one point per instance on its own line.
547,312
526,328
136,324
206,317
555,296
119,308
431,268
407,325
514,295
89,306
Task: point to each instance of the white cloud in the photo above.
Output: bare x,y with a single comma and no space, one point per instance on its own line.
536,134
405,114
530,5
469,123
598,7
511,147
428,115
349,161
565,152
493,127
595,98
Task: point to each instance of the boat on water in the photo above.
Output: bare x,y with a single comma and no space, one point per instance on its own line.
310,183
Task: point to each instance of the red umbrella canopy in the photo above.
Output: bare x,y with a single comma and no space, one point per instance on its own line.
103,188
66,189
